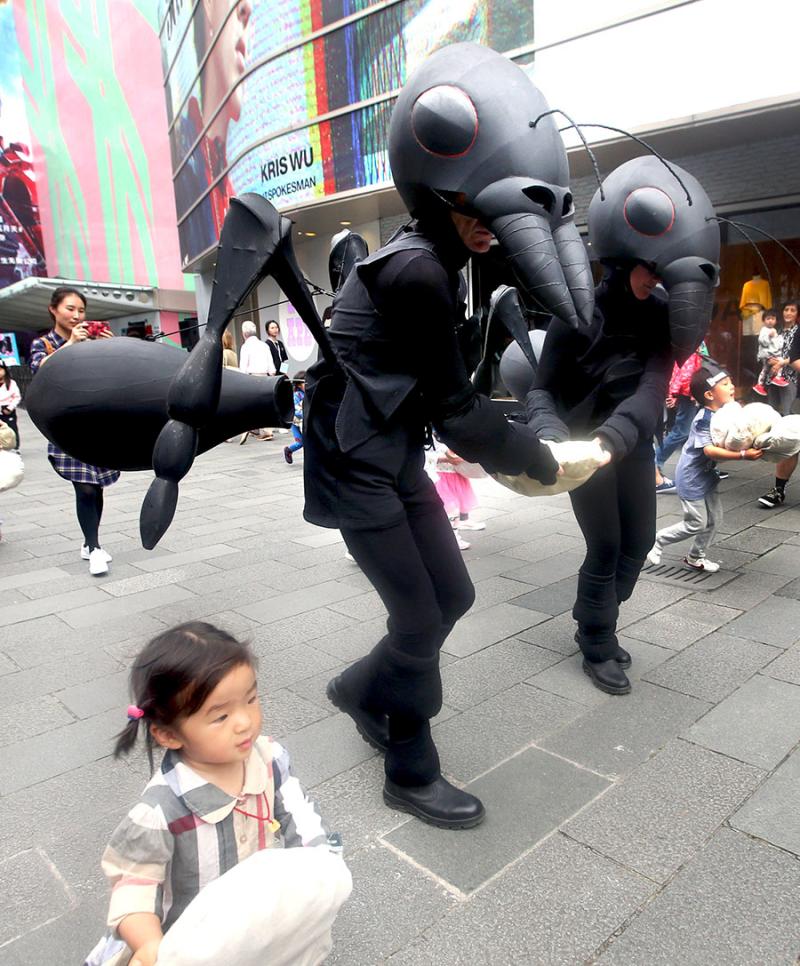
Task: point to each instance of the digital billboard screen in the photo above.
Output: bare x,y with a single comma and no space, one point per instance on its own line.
292,98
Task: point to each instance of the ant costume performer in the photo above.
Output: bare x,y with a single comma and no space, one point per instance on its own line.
609,380
462,146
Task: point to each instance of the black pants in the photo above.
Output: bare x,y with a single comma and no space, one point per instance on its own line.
11,421
89,506
616,511
417,569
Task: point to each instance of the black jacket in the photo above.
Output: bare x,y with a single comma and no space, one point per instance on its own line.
609,379
365,420
279,353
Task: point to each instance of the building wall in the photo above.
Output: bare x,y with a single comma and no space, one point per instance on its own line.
96,110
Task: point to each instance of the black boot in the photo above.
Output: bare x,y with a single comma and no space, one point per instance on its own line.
371,725
608,676
439,803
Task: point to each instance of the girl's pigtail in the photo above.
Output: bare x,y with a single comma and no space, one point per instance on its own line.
126,739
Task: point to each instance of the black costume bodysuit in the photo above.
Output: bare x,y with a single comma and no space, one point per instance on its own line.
394,332
608,380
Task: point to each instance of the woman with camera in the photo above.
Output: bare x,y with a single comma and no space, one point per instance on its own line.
68,310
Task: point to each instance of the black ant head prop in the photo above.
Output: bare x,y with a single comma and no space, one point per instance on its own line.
462,139
644,213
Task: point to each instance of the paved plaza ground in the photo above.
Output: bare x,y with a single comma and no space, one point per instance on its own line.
658,828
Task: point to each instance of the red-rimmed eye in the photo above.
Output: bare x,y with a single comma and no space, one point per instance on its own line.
444,121
649,211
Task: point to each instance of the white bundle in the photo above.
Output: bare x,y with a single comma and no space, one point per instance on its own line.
736,427
579,460
782,440
12,470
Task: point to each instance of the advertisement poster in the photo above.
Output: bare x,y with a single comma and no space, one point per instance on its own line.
9,352
255,106
21,245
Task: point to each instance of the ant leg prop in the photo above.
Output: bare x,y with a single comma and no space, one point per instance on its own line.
505,317
255,242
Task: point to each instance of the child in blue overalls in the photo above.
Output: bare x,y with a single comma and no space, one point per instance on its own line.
299,383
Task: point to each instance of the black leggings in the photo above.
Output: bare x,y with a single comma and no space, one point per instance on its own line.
616,511
89,504
419,573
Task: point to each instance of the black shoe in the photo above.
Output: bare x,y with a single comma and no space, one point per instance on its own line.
608,676
287,455
772,498
722,475
373,728
440,803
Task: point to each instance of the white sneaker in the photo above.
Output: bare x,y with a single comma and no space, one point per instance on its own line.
85,553
462,544
349,556
471,525
700,563
654,557
98,562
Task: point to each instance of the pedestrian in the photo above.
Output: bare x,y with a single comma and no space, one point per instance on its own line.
256,360
696,479
770,344
9,400
280,357
680,401
299,394
785,365
68,313
229,360
455,491
222,793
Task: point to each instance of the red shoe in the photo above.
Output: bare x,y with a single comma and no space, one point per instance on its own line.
780,382
760,390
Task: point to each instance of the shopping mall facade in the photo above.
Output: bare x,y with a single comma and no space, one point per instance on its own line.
292,99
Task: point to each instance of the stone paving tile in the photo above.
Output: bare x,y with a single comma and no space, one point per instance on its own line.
774,621
297,602
737,902
669,629
166,561
313,688
713,667
613,740
568,678
649,596
326,748
771,813
782,560
744,591
472,742
496,668
294,663
352,641
360,606
44,756
786,667
526,798
33,716
72,934
78,577
11,581
102,693
547,570
786,520
7,666
188,576
486,627
554,633
269,639
286,712
703,611
790,589
741,517
553,908
352,804
407,899
120,608
553,599
28,880
643,829
57,604
756,540
759,723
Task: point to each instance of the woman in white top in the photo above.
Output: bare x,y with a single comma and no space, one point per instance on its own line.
9,400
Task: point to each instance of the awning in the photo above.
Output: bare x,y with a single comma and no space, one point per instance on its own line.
23,305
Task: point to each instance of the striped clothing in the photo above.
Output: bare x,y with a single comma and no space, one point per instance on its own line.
185,832
66,466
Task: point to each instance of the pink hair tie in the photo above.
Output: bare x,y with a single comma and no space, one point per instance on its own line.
134,712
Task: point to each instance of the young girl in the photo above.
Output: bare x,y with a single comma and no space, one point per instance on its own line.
770,342
9,400
299,394
455,491
223,792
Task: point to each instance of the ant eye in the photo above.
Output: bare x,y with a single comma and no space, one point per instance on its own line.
649,211
444,121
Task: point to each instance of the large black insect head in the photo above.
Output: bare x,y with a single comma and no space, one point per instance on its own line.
461,139
661,216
